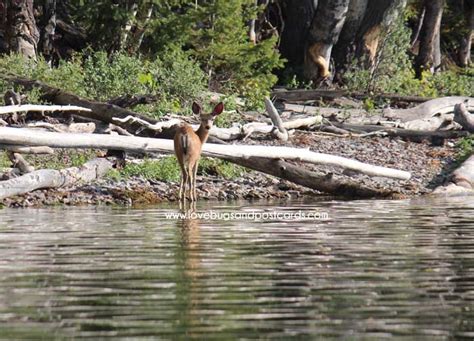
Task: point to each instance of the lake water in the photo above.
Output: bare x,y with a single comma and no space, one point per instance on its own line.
372,269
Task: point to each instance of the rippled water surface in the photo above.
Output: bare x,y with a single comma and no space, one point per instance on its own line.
374,269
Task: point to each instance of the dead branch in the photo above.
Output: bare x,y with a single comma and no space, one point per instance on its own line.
463,117
280,131
20,163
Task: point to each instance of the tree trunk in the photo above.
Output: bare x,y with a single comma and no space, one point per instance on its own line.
379,15
21,33
345,47
297,18
48,33
466,44
323,34
428,36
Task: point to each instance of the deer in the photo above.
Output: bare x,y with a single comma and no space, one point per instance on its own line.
188,147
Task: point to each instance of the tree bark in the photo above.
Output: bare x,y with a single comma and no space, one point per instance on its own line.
323,34
429,37
345,47
22,35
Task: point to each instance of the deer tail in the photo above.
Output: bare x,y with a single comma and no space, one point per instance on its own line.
184,143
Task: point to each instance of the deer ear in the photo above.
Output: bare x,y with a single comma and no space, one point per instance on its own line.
196,108
219,108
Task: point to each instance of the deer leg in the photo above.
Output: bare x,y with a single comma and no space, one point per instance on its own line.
184,181
190,182
181,185
195,168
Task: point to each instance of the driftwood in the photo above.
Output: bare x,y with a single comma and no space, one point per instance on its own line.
49,178
20,163
461,181
104,112
137,144
463,117
9,109
309,179
318,94
438,106
229,134
279,131
411,135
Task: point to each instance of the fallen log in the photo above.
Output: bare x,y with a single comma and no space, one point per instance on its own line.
104,112
463,117
141,145
9,109
411,135
438,106
309,179
461,181
49,178
301,95
229,134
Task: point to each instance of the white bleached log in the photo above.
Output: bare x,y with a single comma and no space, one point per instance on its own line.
9,109
464,117
461,181
279,131
437,106
139,144
49,178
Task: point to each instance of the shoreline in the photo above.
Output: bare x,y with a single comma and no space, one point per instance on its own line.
429,165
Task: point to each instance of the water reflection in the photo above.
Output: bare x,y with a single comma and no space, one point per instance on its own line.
374,269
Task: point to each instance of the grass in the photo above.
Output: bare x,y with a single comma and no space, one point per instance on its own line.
167,169
465,148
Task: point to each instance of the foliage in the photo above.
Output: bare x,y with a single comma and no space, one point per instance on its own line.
215,33
465,148
222,168
4,161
